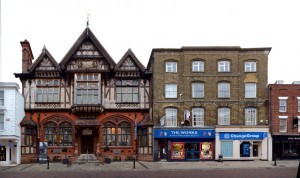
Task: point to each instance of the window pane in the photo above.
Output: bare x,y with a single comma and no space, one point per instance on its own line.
223,66
171,117
198,117
171,90
198,90
250,90
223,90
223,116
171,67
250,116
198,66
250,66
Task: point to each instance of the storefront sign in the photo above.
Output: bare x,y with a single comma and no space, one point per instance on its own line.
243,135
184,134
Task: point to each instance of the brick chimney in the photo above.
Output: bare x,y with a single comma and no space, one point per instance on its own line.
27,56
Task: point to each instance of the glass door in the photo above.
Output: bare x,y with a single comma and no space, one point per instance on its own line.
192,151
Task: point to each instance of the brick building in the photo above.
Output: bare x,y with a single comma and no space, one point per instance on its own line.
84,103
285,119
210,100
11,114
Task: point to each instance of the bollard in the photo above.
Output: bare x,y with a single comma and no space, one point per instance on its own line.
48,160
133,163
298,173
275,164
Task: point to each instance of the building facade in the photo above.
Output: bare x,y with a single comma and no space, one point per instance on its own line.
86,104
11,114
285,119
207,101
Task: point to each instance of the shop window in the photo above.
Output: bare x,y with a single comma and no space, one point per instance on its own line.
290,148
65,134
143,137
2,153
57,135
177,151
207,150
28,140
245,149
227,149
116,135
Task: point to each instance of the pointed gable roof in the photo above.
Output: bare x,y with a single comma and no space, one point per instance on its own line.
45,62
129,62
87,34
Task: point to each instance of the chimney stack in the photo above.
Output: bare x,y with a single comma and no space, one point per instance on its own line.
27,56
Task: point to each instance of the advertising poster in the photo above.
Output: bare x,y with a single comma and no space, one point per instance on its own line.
207,150
177,151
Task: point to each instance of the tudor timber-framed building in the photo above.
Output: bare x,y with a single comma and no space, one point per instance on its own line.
85,103
209,101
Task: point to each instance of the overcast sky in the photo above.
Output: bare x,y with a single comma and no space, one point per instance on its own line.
145,24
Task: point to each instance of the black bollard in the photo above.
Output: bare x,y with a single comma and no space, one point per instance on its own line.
275,164
298,174
133,163
48,160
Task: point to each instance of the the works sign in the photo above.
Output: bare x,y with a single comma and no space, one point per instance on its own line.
184,133
243,135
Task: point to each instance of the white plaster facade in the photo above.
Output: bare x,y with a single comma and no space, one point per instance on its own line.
12,110
260,148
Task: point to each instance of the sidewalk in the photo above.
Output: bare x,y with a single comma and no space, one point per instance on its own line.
152,166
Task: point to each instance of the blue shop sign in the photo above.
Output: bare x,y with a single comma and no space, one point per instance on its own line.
243,135
184,133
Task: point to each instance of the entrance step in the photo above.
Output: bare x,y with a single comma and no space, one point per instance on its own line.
86,158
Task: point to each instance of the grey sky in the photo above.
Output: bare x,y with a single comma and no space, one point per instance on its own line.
143,24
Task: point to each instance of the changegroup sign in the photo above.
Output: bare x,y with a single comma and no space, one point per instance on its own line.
243,135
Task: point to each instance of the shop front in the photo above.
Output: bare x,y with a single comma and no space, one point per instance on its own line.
286,146
10,150
184,145
242,144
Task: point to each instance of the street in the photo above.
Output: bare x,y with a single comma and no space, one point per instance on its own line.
228,173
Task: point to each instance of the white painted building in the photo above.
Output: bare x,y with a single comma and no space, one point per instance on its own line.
243,143
11,114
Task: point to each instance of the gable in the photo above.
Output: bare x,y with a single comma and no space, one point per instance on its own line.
129,66
87,57
87,53
45,65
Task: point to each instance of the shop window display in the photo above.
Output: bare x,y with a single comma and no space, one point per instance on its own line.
206,150
177,150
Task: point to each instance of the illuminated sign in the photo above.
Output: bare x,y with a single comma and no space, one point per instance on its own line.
184,133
